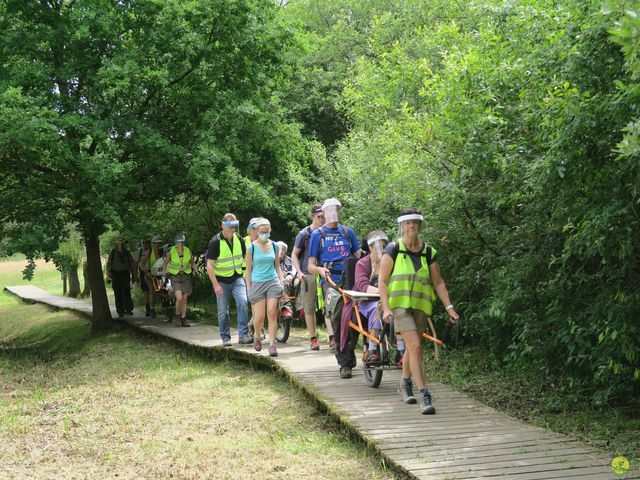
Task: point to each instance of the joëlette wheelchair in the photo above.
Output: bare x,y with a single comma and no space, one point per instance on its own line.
386,340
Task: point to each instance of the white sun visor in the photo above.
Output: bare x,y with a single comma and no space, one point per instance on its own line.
412,216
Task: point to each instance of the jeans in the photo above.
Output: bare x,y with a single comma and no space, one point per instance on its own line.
237,289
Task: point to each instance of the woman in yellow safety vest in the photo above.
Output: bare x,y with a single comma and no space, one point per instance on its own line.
409,274
180,265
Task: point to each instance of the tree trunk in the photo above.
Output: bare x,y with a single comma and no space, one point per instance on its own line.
74,282
101,319
64,284
87,285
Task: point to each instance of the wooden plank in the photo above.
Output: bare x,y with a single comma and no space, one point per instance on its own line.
464,440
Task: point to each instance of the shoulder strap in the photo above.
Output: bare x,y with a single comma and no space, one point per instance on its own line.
253,249
427,254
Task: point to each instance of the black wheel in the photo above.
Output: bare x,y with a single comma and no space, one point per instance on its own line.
372,376
284,328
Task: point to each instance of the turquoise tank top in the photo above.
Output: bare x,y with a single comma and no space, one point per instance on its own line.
263,268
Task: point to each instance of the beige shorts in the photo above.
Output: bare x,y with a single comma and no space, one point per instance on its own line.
407,319
182,283
308,291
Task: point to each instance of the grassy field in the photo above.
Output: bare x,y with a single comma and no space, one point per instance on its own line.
125,406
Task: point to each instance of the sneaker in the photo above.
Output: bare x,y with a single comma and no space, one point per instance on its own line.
245,340
257,344
405,389
426,404
345,372
314,344
273,351
129,313
332,346
227,343
373,358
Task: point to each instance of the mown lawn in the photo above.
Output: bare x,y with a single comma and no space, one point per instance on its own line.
125,406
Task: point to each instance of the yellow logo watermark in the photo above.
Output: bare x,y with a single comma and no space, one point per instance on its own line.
620,465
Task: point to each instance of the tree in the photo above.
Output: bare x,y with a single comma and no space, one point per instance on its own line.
103,106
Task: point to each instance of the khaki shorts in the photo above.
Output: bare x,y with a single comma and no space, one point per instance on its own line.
182,283
308,291
407,319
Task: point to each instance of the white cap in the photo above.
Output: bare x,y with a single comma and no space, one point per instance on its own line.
261,222
331,202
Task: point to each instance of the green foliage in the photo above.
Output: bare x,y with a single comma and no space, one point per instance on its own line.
513,125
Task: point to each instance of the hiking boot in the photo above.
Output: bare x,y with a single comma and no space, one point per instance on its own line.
426,403
314,344
345,372
177,321
257,344
273,351
153,313
245,340
227,343
332,346
185,323
405,389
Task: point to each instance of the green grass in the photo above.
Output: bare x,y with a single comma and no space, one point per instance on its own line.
75,405
541,401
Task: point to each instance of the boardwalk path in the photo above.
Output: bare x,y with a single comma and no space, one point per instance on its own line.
464,440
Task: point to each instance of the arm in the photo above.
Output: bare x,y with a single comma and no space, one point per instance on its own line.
145,261
441,289
295,259
165,265
314,269
212,276
278,270
109,263
386,267
249,263
363,276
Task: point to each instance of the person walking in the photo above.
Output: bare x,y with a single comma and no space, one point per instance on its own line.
308,285
329,246
147,265
140,276
409,274
264,282
225,256
120,269
179,263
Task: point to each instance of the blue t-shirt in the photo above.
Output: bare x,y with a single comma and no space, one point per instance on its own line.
335,249
263,264
303,242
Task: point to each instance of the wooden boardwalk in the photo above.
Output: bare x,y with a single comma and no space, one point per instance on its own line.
464,440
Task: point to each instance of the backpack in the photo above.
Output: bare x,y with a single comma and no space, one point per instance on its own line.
396,251
276,249
323,236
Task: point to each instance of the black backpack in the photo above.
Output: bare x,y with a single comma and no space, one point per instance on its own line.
396,250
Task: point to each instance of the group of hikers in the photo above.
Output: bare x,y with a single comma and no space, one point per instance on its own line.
256,270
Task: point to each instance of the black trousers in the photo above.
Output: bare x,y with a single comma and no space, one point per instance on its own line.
345,357
121,283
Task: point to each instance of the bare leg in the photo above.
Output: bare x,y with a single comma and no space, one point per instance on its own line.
272,314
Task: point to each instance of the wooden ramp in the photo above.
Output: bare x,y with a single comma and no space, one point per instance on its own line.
464,440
